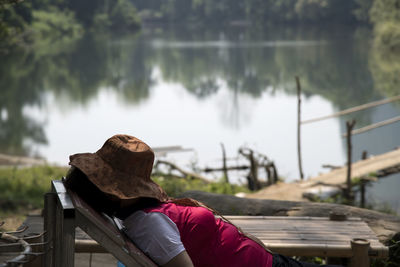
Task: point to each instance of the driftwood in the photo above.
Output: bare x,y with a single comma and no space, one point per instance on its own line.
232,168
185,174
330,166
384,225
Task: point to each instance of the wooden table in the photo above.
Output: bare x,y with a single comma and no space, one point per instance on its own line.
311,236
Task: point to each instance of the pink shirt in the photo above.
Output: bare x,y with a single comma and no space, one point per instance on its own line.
213,242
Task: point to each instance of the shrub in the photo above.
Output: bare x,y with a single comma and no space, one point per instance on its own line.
23,188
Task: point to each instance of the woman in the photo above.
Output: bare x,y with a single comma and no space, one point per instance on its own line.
172,232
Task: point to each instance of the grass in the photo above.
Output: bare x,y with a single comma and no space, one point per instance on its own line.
22,190
174,186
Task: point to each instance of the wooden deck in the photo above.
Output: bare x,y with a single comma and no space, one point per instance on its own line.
294,191
310,236
360,168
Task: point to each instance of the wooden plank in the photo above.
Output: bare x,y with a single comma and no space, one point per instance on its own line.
311,250
92,215
286,218
308,236
316,242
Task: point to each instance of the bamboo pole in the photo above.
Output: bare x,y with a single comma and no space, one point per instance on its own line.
373,126
298,127
360,249
354,109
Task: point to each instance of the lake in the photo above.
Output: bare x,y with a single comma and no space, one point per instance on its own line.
198,87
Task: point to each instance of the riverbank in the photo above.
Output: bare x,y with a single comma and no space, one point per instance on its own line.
8,160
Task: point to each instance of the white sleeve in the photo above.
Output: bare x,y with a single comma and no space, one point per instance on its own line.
155,234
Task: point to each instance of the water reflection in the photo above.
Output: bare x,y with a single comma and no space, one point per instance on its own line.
336,64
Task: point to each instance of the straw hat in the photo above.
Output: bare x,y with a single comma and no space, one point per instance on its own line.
121,169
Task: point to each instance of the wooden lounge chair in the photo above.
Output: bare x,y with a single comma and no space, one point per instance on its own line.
66,211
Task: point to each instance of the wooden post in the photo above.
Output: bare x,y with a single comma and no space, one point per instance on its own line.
64,238
254,170
226,178
360,253
269,176
362,192
275,173
349,126
49,224
363,183
298,127
364,155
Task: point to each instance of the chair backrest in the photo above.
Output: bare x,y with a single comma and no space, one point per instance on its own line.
72,211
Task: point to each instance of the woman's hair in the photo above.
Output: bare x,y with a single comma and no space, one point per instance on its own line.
78,182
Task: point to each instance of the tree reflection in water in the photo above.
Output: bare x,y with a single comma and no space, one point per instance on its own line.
337,64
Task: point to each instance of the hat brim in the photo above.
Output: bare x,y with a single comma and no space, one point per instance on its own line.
114,183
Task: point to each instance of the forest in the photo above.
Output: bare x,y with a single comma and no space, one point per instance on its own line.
22,20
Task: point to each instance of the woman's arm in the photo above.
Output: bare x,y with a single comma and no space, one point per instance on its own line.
158,237
180,260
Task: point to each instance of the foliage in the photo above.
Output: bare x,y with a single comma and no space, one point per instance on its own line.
119,16
362,11
387,37
394,254
14,17
385,16
63,18
56,24
175,186
123,15
23,188
385,59
255,11
385,10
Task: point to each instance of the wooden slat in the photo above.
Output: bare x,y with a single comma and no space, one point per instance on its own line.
309,236
303,236
286,218
106,234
